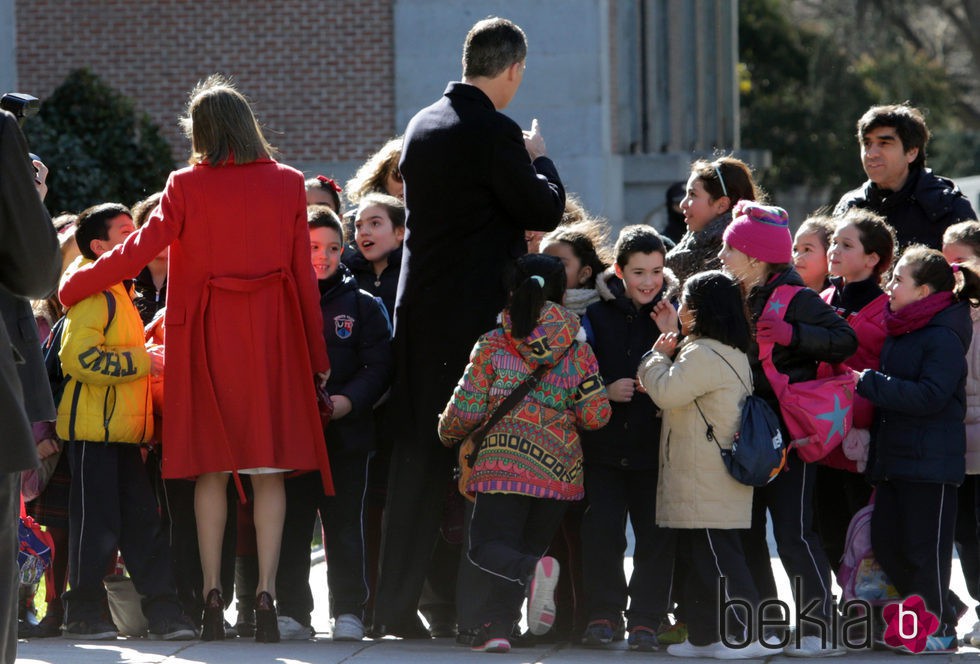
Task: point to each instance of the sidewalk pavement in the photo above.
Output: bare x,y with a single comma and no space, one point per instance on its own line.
389,651
393,651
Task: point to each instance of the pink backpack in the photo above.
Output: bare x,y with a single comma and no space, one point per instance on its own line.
817,413
860,576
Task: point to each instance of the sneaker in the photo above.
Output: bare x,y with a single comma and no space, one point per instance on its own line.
442,630
687,649
348,627
172,629
643,639
94,630
541,596
466,637
291,630
940,645
491,638
971,638
754,650
812,646
598,633
669,633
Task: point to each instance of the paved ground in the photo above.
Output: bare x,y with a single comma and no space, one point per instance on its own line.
323,651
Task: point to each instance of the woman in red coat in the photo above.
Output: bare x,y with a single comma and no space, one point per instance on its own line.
244,330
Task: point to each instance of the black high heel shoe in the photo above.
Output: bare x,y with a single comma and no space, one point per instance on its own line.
266,621
213,621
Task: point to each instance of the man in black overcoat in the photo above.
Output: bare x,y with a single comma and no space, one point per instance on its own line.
473,183
919,204
29,267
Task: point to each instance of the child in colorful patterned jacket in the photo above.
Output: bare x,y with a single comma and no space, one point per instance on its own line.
529,466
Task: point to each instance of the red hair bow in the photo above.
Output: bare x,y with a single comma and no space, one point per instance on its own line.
329,182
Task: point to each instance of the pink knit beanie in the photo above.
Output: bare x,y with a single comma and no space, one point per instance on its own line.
761,232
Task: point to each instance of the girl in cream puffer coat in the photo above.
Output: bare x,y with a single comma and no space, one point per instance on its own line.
695,493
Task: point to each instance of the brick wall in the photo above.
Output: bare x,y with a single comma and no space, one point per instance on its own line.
319,74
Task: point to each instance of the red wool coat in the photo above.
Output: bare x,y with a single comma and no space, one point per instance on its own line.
244,329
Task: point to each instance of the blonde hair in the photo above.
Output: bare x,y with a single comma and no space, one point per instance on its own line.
221,125
373,174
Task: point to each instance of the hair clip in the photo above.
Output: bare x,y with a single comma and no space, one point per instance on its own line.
956,267
330,182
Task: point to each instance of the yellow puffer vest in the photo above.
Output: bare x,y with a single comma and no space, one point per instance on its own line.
107,396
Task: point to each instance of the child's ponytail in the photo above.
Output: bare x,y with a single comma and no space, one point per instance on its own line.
535,279
929,267
967,289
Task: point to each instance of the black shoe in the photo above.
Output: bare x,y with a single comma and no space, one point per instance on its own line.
442,630
213,620
245,626
49,626
91,630
415,630
172,629
492,637
466,637
266,620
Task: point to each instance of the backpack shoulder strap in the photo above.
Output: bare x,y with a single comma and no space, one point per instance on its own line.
110,301
779,301
775,309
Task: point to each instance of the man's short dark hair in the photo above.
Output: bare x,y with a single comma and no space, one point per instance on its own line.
908,123
491,46
93,224
637,239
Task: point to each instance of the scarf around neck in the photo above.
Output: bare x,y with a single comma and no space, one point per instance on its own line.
916,315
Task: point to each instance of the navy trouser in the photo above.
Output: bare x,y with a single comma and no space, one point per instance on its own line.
611,495
912,536
179,523
112,506
968,534
509,533
714,554
838,496
789,500
342,516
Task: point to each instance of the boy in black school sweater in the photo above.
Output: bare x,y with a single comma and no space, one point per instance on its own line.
358,338
622,458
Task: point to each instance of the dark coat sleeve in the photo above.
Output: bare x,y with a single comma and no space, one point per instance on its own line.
373,377
961,210
942,368
818,332
531,193
29,258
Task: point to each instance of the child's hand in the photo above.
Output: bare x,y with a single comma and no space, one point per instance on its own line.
321,378
774,332
341,406
47,447
666,343
665,316
621,390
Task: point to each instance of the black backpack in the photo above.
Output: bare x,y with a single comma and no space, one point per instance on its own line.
758,451
52,346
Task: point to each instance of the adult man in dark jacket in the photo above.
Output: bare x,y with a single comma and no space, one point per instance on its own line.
473,184
29,265
919,204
